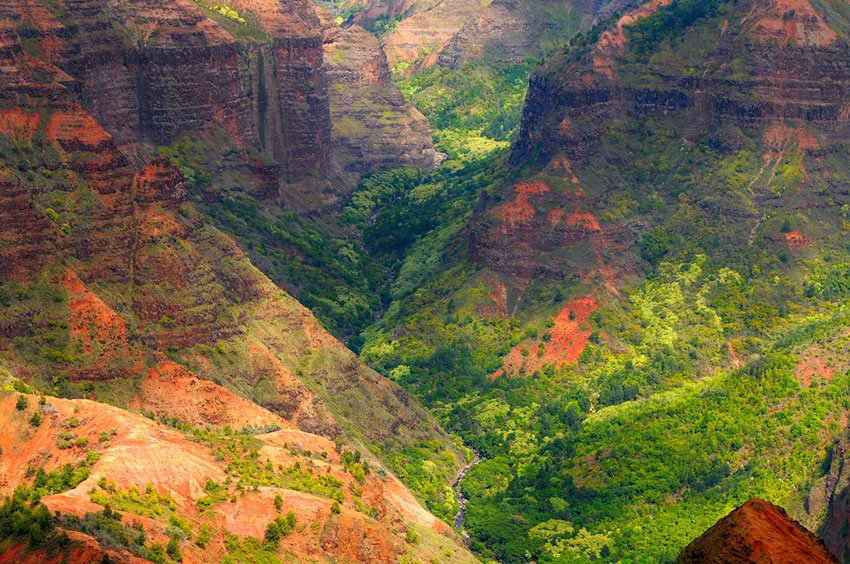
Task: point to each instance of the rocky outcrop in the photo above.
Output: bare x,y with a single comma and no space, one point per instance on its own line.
757,531
374,127
107,268
508,32
773,71
755,76
419,38
150,73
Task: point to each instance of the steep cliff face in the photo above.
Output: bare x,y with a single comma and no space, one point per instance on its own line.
757,531
150,73
374,127
114,286
507,32
828,502
644,116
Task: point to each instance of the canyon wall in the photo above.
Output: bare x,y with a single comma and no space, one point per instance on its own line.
765,77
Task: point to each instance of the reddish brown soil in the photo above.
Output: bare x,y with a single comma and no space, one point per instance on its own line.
521,210
757,531
792,22
172,390
569,337
18,124
795,240
140,452
94,322
813,366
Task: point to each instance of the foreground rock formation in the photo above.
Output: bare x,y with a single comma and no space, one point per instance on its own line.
757,531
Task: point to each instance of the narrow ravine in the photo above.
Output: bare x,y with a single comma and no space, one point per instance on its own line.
460,516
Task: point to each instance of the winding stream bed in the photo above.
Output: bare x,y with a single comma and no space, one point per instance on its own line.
460,516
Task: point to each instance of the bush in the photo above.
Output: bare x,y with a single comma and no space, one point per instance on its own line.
173,549
203,538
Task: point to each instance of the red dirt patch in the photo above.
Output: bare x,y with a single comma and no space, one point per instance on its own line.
757,531
76,131
102,331
18,124
795,240
521,211
569,337
793,22
172,390
584,221
563,163
814,366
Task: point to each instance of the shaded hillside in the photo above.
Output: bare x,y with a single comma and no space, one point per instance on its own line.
112,282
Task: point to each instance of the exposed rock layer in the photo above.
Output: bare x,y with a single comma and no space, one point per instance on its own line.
757,531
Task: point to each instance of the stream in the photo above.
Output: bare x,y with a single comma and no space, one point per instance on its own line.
460,516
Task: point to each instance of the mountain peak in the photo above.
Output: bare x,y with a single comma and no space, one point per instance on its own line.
758,531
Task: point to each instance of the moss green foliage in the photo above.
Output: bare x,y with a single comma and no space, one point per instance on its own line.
62,479
249,549
327,272
24,519
376,190
278,529
474,110
244,26
150,503
669,22
172,549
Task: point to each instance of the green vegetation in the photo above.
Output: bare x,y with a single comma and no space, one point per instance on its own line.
112,534
278,529
327,272
150,504
249,549
248,470
62,479
24,519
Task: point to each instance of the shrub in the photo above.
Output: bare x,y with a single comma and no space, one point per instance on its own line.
203,537
173,549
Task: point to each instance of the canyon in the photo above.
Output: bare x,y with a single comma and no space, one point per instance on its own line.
295,282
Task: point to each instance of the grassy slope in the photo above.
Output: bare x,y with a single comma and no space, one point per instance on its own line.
676,435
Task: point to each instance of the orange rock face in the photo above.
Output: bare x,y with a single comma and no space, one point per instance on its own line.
756,532
568,338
